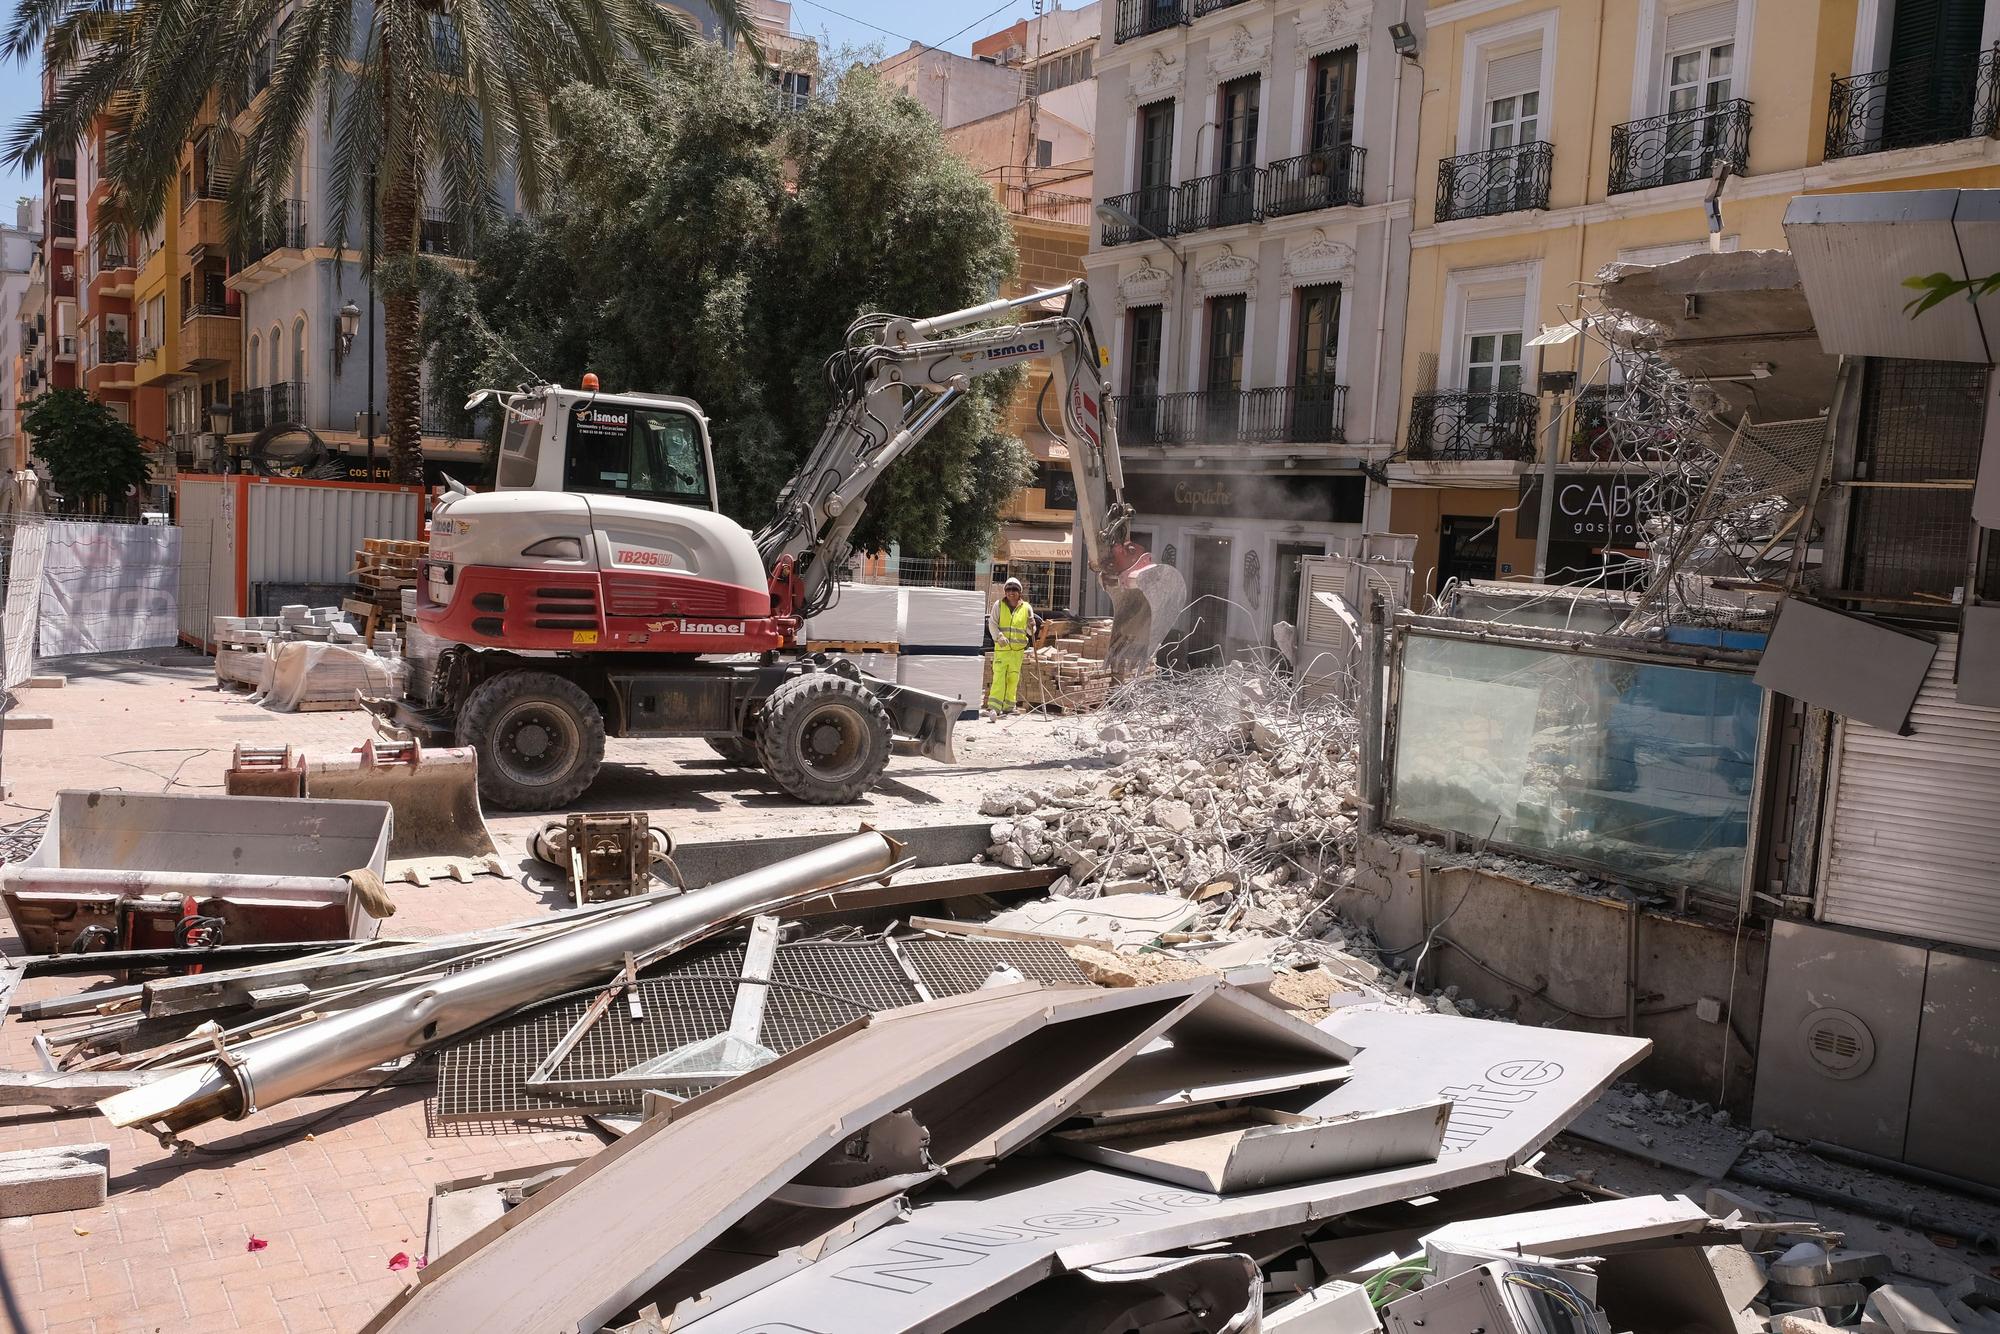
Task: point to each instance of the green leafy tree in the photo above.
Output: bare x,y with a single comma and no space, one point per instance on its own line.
451,92
1934,289
94,459
705,242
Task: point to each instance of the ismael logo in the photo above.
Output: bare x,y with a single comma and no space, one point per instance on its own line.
599,417
1016,349
711,627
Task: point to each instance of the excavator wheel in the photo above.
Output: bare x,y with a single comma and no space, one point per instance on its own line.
739,751
825,738
540,740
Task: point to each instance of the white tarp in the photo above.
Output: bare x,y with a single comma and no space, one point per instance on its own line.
27,549
109,588
306,672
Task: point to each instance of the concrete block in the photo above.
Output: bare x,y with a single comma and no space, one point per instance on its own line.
1970,1321
1975,1291
47,1181
44,683
1722,1203
14,721
1908,1309
1799,1323
1819,1294
1797,1269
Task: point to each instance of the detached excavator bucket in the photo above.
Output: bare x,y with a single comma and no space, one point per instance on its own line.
1145,603
439,831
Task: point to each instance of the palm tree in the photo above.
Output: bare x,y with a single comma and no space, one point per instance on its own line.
434,99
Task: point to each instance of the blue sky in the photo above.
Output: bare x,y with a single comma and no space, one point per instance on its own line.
890,24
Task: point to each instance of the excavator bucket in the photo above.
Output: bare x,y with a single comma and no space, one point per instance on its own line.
1145,603
439,832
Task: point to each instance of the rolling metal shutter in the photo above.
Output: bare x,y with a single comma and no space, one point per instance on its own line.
1912,844
1512,75
1495,314
1711,25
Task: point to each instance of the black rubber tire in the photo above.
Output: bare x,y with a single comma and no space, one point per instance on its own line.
825,738
493,719
739,751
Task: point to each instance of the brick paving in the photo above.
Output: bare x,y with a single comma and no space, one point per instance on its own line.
171,1248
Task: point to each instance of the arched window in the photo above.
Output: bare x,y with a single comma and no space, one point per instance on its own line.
277,346
250,370
299,350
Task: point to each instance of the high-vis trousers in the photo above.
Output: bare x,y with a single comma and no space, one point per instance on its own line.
1006,678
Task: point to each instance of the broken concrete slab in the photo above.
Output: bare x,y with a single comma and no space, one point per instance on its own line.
1908,1309
1809,1263
1118,919
1704,1149
1512,1089
56,1180
1818,1294
1975,1290
1229,1150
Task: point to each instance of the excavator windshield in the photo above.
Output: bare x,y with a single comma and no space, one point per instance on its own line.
646,453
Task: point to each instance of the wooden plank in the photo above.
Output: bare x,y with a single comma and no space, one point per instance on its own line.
69,1088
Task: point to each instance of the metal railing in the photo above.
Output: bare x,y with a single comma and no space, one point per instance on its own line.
1046,205
1500,180
1202,7
1464,425
284,230
1912,104
272,405
196,309
114,346
1225,199
439,234
1137,18
1293,414
1679,146
1152,209
1328,178
63,226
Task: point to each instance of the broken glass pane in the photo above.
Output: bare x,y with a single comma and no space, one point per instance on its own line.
1640,769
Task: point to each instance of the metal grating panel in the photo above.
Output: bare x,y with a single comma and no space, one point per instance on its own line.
485,1079
954,967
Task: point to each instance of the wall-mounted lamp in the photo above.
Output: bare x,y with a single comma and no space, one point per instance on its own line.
346,324
1404,40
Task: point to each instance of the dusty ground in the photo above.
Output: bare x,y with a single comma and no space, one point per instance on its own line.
175,1247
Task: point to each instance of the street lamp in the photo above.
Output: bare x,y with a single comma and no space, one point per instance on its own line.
347,324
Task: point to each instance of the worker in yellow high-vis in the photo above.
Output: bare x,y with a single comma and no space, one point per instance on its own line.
1013,625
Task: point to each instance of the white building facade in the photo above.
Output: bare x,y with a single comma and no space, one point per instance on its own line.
1254,174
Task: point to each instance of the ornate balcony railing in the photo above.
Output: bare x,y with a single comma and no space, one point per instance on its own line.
1047,205
1202,7
1225,199
273,405
1302,414
1912,104
1152,209
1500,180
1137,18
1329,178
1679,146
1463,425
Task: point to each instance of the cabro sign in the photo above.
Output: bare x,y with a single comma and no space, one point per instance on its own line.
1594,507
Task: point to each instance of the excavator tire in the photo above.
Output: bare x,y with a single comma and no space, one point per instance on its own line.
739,751
540,740
825,738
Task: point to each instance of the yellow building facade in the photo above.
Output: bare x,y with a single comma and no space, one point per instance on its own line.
1558,139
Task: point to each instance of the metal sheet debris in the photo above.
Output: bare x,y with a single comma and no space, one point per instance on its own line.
1230,1150
1852,666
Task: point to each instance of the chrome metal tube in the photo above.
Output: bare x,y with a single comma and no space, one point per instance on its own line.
266,1071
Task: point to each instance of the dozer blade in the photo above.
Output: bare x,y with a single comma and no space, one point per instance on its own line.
926,719
1144,606
439,832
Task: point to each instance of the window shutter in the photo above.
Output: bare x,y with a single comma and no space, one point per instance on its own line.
1494,314
1709,25
1510,76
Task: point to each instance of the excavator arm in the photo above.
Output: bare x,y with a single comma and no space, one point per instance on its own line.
895,381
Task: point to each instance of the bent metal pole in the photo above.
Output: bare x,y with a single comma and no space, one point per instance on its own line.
262,1072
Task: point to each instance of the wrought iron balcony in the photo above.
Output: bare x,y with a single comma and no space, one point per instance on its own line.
1500,180
1304,414
1679,146
1226,199
1329,178
1152,209
1912,104
1137,18
1202,7
284,230
1464,426
439,234
281,404
197,309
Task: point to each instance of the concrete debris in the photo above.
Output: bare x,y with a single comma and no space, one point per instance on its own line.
49,1181
1907,1309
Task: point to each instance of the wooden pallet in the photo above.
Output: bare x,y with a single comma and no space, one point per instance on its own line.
383,546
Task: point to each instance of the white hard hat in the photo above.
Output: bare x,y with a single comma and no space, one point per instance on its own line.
1011,583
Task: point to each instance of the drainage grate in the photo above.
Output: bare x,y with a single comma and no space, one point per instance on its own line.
485,1079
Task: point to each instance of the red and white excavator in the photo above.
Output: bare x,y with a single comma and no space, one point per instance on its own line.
598,590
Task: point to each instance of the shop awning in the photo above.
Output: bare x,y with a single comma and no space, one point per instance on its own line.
1029,548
